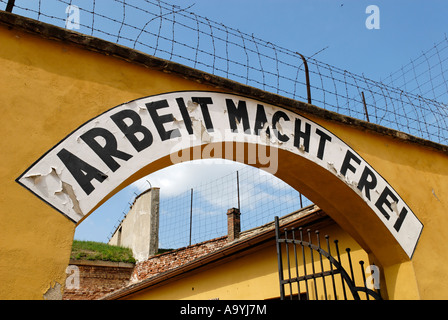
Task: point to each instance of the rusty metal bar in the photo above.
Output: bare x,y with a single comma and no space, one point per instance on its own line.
238,188
350,264
191,213
339,260
321,264
327,239
279,258
364,278
10,5
289,266
297,265
307,75
312,264
365,106
304,263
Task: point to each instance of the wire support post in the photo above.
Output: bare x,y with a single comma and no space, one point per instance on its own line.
365,106
411,100
10,5
307,75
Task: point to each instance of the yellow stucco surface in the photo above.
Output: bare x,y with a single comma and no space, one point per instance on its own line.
420,176
49,88
253,275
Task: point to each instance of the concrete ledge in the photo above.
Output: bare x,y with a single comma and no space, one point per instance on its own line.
100,263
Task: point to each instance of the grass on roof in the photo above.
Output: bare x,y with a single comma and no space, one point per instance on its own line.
90,250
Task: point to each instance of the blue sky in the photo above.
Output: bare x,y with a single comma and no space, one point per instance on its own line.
407,28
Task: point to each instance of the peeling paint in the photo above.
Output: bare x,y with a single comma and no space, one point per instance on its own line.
353,184
191,106
394,207
331,167
48,184
200,131
68,190
178,123
133,105
53,293
279,128
434,193
52,187
264,136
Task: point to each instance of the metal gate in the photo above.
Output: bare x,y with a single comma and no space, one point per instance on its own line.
318,280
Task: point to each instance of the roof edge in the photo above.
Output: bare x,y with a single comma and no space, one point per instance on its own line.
308,215
101,263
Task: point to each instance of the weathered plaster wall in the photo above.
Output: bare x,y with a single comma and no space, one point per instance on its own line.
139,230
48,89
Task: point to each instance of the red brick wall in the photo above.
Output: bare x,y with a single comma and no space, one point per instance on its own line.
96,279
172,259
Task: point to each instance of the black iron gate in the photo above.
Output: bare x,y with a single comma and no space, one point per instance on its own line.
304,284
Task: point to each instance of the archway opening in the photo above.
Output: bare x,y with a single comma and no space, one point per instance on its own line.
179,236
317,184
196,195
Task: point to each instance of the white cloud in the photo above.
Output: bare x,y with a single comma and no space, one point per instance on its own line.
180,177
214,184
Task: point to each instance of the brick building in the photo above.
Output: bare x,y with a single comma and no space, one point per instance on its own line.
241,265
96,278
108,280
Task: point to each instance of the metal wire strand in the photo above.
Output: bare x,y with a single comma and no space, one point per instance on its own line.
412,99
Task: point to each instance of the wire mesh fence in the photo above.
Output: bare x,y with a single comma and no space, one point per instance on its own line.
425,75
199,213
412,100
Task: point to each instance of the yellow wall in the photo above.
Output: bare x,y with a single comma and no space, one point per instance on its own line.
253,276
420,176
49,88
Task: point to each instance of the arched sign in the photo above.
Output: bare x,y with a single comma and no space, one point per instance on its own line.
91,162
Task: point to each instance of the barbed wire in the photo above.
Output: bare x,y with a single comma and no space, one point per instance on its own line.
425,75
199,212
408,100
